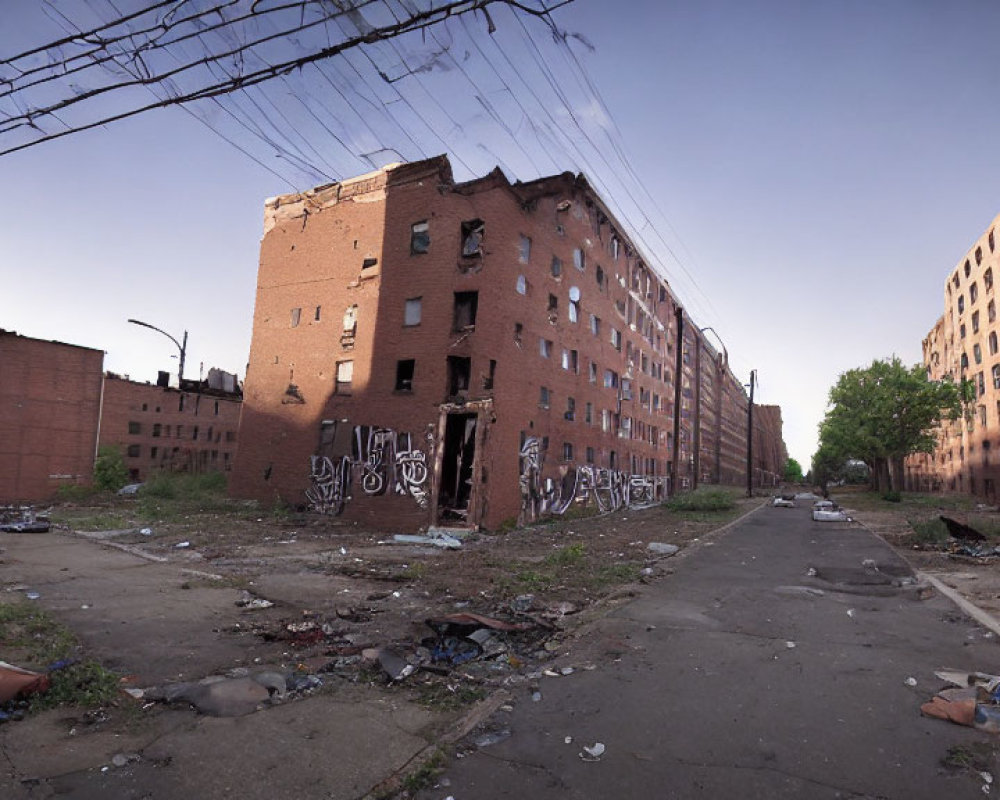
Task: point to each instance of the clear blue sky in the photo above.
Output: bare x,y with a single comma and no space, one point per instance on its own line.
817,169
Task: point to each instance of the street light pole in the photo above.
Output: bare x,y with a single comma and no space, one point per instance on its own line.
753,375
180,346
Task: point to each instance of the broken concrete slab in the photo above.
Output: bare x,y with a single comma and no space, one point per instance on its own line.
662,548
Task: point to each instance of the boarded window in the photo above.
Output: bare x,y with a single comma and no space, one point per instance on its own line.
345,375
411,316
420,237
473,233
404,375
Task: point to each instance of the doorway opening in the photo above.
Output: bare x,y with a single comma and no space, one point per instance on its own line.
458,456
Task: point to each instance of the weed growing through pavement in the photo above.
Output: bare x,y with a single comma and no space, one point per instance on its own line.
40,641
439,696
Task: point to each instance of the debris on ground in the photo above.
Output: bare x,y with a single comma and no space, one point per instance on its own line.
828,511
249,601
16,682
662,548
593,752
972,700
783,501
235,695
961,531
23,519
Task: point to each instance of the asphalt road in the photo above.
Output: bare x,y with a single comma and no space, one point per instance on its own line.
743,676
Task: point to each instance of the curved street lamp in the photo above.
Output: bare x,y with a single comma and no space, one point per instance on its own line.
180,346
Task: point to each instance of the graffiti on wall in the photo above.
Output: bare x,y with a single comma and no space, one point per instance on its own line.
381,461
608,489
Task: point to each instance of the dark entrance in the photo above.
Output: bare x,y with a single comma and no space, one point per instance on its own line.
456,466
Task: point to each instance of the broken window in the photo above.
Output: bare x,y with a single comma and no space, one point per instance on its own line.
473,233
567,451
345,375
570,409
518,331
524,250
616,339
466,307
154,450
522,285
579,259
570,360
194,434
404,375
543,396
420,237
595,325
588,414
556,267
413,310
459,370
574,304
553,303
615,247
610,379
296,315
544,348
593,372
488,378
134,428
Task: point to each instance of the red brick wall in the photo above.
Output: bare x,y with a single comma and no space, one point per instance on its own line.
184,431
312,255
50,396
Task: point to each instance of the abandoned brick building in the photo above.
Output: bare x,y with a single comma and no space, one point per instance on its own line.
158,427
963,346
430,352
50,408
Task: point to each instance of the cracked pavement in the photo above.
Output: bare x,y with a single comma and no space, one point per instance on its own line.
743,675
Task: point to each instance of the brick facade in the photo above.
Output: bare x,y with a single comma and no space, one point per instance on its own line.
426,352
50,400
193,429
963,345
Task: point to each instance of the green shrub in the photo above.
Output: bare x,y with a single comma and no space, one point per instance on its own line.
929,531
110,472
705,499
892,497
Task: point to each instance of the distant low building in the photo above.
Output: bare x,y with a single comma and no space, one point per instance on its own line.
190,429
50,405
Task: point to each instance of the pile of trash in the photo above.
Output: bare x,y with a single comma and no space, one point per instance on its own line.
23,519
971,699
828,511
783,501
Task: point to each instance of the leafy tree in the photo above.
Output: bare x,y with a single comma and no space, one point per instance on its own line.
793,471
879,415
109,470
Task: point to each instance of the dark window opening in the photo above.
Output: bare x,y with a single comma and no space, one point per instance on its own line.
570,409
473,233
194,434
317,314
556,267
567,451
590,455
599,275
420,238
153,451
518,332
544,397
369,263
466,308
404,375
216,408
134,451
459,369
157,429
488,378
134,428
553,302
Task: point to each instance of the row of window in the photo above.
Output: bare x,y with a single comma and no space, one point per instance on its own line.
166,431
639,465
181,402
166,453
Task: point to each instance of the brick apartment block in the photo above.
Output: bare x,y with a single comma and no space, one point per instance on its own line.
963,346
50,402
158,427
430,352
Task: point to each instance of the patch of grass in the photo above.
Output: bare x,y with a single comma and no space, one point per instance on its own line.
441,697
76,493
702,500
615,575
929,531
892,497
567,556
35,636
